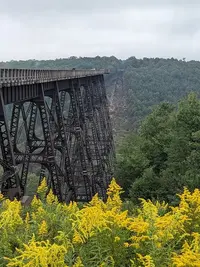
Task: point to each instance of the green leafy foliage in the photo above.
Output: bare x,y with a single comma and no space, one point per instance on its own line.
164,155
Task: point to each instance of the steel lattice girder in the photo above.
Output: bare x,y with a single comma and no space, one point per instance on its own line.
76,150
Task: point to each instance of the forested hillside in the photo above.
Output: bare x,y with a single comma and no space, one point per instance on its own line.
134,85
164,155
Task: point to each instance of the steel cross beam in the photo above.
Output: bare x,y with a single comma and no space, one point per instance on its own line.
60,120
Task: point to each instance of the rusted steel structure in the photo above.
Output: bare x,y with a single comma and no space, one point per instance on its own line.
74,146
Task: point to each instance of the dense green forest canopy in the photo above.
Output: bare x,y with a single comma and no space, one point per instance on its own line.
164,155
146,82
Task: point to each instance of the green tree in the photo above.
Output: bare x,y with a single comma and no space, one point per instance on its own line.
167,149
131,162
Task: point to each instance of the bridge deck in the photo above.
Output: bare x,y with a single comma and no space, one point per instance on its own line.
15,77
23,84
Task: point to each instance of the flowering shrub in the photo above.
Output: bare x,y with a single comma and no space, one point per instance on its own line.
50,234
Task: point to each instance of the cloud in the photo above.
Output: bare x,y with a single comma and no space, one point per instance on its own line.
43,29
66,6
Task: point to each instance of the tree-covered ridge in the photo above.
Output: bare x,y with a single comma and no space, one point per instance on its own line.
146,82
163,157
65,63
159,80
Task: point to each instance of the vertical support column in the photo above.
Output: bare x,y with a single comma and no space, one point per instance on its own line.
56,183
53,127
52,115
101,112
110,149
84,127
62,99
14,124
84,186
30,129
97,107
106,108
69,122
10,180
68,179
93,145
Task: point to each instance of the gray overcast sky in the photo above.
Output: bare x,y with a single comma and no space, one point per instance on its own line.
44,29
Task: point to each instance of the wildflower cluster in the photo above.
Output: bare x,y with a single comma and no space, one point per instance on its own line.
51,234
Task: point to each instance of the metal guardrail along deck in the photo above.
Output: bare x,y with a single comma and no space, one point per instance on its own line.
28,76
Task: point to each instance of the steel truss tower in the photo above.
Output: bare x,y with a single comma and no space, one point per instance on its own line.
64,125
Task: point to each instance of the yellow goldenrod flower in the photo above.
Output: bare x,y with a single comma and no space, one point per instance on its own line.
51,198
78,263
10,218
42,189
43,229
126,244
39,254
27,220
190,254
95,233
146,260
36,203
117,238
